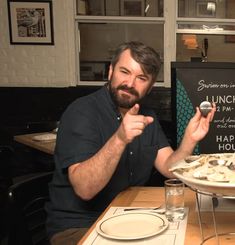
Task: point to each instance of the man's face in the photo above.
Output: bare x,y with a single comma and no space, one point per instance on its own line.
128,83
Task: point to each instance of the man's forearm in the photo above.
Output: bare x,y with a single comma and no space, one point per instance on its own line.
166,156
185,149
92,175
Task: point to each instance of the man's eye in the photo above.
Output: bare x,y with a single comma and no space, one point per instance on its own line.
142,79
124,71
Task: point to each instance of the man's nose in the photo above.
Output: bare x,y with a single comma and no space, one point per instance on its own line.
131,81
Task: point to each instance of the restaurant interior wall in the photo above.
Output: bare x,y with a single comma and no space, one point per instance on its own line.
40,65
57,65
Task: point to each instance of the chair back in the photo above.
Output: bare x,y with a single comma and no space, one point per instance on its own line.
6,153
27,214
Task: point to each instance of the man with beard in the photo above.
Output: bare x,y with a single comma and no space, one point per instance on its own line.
107,142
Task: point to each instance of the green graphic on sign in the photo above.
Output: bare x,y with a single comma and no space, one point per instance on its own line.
185,112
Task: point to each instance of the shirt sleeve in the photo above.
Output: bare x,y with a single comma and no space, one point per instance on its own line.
78,137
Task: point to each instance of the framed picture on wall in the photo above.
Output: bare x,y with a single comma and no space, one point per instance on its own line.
132,7
30,22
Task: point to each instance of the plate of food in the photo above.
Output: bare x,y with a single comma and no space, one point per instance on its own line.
211,173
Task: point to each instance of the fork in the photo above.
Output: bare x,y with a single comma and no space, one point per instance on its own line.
157,211
150,209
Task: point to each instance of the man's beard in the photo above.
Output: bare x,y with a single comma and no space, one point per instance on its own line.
123,101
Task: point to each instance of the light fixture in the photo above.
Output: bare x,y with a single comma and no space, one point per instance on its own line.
211,6
190,41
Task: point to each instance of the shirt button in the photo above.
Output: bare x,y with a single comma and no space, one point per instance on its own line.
131,173
131,152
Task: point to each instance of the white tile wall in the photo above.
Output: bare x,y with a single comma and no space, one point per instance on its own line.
40,65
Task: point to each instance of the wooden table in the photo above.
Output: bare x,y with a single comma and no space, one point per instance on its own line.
27,139
154,196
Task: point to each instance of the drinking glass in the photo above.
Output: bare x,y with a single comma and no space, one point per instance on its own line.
174,199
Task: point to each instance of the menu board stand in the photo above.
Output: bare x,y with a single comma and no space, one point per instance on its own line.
194,82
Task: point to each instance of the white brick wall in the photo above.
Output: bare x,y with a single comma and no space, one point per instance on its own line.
40,65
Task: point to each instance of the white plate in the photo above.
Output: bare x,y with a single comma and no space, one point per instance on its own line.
206,177
132,225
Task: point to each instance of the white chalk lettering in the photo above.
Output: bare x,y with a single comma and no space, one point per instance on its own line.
226,138
218,99
226,147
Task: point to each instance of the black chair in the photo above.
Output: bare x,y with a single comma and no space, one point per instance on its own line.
27,214
6,153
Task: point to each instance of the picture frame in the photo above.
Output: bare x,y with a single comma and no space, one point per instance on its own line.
203,11
31,22
132,7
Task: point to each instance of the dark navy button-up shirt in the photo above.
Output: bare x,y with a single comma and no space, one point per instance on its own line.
84,128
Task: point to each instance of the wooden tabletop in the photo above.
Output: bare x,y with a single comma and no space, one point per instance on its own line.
154,196
45,146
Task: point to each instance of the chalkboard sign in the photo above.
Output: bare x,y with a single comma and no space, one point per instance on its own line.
194,82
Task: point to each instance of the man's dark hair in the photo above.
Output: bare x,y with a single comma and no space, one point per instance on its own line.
146,56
